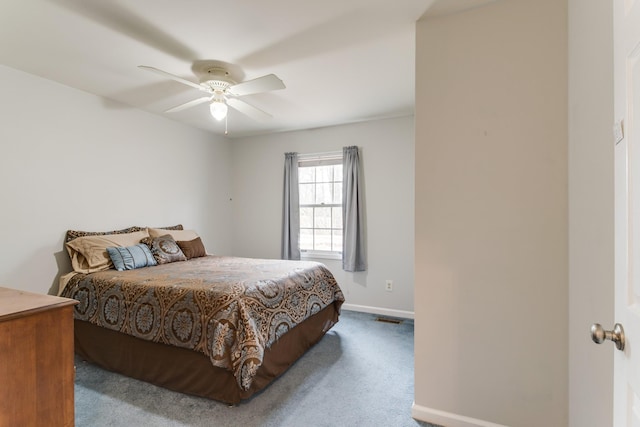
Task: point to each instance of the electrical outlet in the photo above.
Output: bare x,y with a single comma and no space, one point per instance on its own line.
389,285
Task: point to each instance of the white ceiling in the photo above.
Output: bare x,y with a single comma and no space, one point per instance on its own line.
342,61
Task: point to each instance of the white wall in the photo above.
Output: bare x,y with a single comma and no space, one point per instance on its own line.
491,216
387,149
591,271
71,160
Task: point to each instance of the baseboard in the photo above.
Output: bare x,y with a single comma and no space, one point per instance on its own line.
381,311
434,416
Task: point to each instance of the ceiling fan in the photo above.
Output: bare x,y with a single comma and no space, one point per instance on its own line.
222,90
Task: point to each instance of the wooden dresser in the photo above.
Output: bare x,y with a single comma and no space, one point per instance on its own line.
36,359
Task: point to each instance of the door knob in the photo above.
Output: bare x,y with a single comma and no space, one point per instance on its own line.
599,335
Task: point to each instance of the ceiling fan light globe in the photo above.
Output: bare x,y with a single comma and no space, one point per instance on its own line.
218,110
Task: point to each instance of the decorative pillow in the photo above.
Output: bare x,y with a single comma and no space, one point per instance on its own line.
192,248
182,235
74,234
164,249
89,253
131,257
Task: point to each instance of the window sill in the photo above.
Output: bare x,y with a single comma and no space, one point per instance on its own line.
320,255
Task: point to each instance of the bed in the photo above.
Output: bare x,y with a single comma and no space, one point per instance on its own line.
212,326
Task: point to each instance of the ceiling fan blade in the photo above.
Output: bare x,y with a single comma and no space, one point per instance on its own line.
189,104
261,84
248,109
172,77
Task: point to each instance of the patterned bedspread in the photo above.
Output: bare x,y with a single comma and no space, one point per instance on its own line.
230,309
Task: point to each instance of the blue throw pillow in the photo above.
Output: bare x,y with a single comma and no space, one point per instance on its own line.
131,257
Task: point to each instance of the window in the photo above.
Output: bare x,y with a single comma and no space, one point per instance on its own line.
320,181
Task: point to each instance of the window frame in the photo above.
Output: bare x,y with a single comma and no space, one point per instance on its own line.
314,160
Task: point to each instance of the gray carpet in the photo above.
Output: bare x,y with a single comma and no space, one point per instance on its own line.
359,374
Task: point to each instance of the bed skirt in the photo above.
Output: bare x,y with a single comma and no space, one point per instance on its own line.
191,372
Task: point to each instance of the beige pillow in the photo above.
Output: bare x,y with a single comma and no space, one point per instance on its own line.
181,235
89,253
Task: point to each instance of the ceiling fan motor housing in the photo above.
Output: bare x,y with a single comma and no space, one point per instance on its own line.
216,79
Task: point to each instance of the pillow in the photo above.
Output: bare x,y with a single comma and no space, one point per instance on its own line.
171,227
89,253
131,257
164,249
192,248
182,235
74,234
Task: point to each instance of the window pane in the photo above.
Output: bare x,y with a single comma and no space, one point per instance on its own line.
337,173
307,194
337,240
306,239
324,173
306,174
306,217
322,240
336,216
323,193
337,193
322,218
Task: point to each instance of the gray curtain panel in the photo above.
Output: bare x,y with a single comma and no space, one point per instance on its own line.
354,257
291,209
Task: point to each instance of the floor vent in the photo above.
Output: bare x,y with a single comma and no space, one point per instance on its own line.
388,320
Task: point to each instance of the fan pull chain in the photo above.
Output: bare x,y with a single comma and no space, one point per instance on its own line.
226,118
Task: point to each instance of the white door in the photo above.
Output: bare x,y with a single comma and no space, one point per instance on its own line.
627,209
